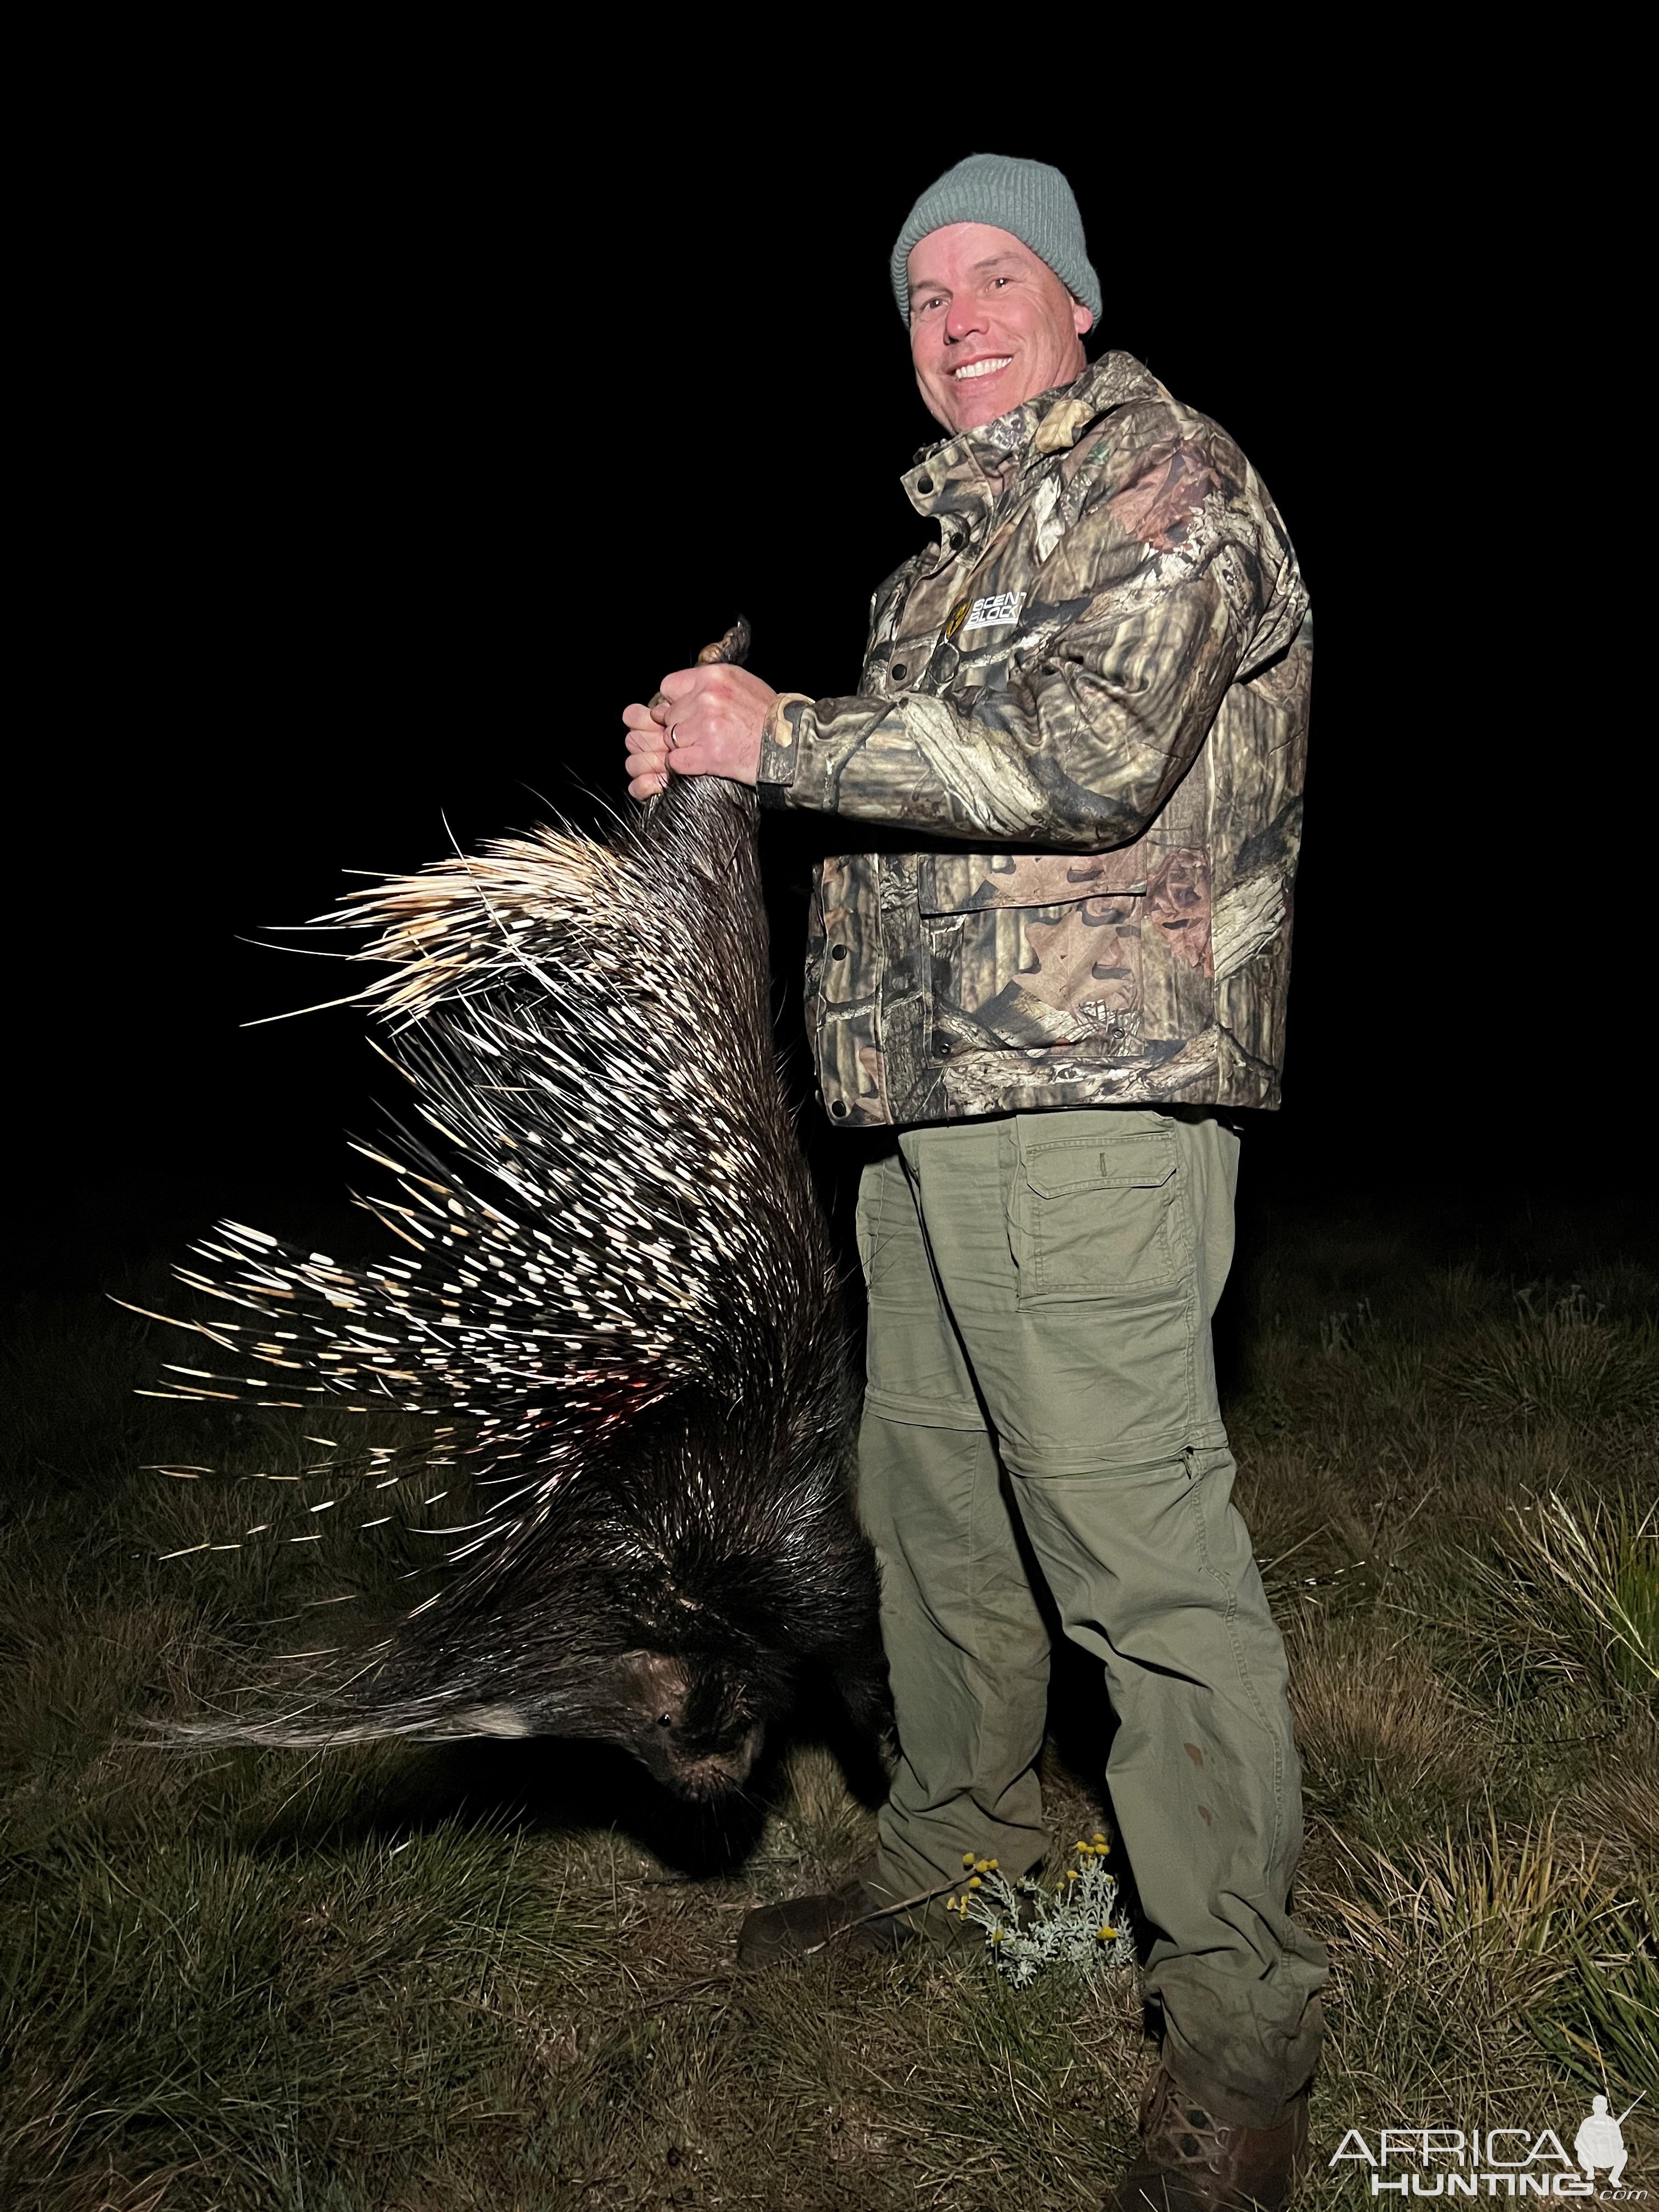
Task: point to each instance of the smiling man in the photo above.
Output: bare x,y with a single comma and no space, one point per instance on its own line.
1087,699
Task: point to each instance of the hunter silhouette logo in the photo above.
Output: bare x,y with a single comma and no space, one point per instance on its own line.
1453,2162
1600,2142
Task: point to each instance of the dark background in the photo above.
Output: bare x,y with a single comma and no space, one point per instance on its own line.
392,453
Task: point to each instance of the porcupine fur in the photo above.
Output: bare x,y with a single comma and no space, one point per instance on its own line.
614,1296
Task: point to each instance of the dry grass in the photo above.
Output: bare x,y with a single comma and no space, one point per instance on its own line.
1618,1801
502,1976
1385,1739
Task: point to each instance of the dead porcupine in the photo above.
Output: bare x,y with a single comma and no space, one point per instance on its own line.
635,1338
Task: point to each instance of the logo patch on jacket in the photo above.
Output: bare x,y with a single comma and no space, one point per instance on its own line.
992,613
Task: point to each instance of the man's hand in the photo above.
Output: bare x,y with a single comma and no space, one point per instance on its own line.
709,721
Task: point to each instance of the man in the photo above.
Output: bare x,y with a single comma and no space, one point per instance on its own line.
1089,699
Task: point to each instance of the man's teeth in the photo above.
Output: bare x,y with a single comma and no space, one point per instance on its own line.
988,366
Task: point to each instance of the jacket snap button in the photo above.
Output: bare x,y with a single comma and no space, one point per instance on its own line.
838,952
924,485
942,1045
839,1109
901,672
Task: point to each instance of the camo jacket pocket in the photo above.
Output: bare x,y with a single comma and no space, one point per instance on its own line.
1096,1212
1033,950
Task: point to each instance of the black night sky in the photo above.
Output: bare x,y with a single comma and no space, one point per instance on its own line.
406,454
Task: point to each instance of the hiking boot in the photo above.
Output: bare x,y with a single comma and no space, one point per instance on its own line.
1189,2162
773,1933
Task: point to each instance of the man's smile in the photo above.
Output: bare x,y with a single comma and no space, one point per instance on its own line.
987,365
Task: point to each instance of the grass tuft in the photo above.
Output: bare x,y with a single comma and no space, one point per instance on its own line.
1562,1359
1606,2031
1570,1595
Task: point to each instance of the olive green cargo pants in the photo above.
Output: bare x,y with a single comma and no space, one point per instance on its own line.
1041,1288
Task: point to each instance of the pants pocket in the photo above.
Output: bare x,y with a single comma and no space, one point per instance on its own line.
914,1370
866,1222
885,1209
1095,1211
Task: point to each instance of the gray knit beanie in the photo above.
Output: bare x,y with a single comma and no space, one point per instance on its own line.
1027,197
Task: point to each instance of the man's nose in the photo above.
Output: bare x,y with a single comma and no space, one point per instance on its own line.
963,321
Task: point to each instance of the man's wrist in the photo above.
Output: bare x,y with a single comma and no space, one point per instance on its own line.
780,738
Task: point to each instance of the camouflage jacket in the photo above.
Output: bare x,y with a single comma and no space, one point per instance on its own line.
1105,657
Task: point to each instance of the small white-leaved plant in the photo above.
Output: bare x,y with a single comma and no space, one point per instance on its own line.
1077,1922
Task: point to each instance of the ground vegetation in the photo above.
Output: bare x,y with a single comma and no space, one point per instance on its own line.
502,1975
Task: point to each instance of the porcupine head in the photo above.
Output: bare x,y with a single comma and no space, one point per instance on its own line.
672,1605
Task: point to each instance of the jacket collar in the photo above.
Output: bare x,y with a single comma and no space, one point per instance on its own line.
966,475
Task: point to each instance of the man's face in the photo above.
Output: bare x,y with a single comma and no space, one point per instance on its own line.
990,325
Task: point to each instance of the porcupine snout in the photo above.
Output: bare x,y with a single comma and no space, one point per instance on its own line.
697,1726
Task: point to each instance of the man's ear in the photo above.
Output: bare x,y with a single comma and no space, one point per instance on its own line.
1083,318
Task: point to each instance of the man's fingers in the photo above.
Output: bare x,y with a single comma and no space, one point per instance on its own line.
648,720
650,741
657,759
699,759
681,683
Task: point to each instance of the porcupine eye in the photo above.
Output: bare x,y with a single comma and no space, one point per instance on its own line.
665,1720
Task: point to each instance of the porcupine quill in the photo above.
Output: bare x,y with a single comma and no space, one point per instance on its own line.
634,1338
